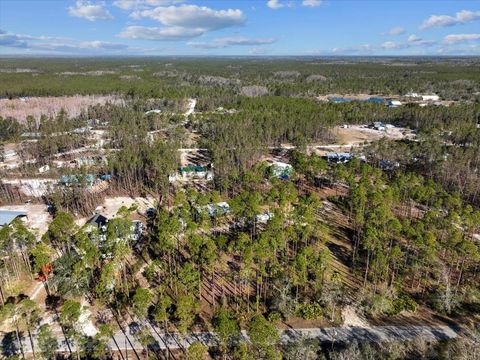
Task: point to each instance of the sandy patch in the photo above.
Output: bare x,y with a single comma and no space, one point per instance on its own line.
357,134
111,206
85,324
351,318
33,187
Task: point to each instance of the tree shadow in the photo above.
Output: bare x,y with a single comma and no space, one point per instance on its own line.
9,345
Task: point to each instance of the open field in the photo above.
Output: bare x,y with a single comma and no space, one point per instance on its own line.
21,108
359,134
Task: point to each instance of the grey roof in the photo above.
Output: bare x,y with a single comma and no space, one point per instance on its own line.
7,216
98,220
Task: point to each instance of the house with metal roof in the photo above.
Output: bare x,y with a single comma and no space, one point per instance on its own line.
97,228
376,100
339,157
394,103
281,170
192,171
7,216
68,180
214,210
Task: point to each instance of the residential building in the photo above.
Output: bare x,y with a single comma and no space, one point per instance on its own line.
281,170
7,216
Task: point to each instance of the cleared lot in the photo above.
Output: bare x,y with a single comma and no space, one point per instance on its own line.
36,106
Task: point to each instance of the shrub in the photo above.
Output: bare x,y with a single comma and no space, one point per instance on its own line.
311,311
401,303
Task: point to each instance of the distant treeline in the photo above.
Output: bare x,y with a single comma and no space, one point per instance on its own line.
455,79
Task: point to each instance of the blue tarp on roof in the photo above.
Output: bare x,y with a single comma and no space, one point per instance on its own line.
193,168
339,99
7,216
377,100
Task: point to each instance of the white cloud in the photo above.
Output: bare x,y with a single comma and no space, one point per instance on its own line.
277,4
83,46
311,3
193,16
388,45
61,45
182,22
136,4
159,34
90,11
470,50
231,41
20,40
274,4
456,38
258,51
364,49
397,30
461,17
414,40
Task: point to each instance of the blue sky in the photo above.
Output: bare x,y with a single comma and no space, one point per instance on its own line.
242,27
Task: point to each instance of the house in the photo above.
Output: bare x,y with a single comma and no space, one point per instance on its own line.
155,111
281,170
9,154
432,97
343,157
412,94
7,216
388,164
84,161
98,221
43,169
263,218
82,130
97,225
214,210
192,171
375,100
339,100
378,125
31,135
136,229
339,158
68,180
394,103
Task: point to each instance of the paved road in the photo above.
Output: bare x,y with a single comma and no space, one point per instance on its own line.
127,341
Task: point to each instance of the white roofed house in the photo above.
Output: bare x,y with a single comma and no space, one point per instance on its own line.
215,210
394,103
433,97
9,154
82,130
